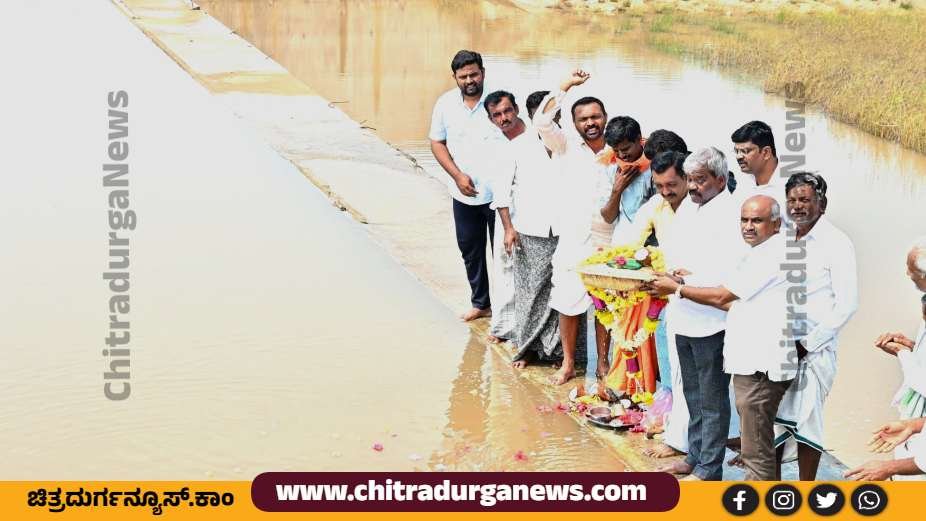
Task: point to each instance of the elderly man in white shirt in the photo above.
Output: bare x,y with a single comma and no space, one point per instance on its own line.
911,397
823,287
580,167
524,192
706,244
459,129
758,349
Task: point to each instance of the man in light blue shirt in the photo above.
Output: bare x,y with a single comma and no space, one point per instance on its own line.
459,132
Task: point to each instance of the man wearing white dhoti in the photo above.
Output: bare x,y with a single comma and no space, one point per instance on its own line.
824,288
579,156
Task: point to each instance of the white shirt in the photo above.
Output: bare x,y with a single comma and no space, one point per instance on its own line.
707,242
746,187
831,284
579,169
913,364
465,130
527,185
758,337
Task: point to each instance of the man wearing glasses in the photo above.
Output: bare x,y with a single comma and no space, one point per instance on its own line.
754,149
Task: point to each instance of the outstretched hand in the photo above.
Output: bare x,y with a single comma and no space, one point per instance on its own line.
576,77
889,436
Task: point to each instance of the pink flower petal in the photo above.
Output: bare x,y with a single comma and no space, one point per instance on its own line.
378,447
520,456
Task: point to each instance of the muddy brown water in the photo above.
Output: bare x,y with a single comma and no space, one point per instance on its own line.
385,62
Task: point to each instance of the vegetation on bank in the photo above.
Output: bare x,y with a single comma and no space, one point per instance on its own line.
863,64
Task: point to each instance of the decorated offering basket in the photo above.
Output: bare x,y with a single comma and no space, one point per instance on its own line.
605,277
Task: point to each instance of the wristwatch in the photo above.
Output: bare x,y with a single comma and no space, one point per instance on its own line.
678,291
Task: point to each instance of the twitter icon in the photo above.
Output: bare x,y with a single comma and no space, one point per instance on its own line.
826,500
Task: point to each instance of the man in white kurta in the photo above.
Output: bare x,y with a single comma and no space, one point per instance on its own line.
524,192
823,288
580,165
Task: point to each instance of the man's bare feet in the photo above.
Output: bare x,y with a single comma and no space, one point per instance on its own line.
496,340
676,467
562,376
601,372
661,451
691,477
475,313
520,364
736,461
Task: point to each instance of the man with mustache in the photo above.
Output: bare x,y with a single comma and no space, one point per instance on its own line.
826,299
756,346
707,241
580,167
524,193
458,132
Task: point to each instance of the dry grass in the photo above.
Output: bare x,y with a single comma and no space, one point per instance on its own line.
863,62
864,68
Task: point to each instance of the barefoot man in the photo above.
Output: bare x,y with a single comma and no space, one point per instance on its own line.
527,183
827,296
459,128
580,159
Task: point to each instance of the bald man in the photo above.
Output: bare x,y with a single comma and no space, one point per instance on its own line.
759,349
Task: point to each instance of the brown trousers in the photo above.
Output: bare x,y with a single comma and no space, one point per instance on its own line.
757,400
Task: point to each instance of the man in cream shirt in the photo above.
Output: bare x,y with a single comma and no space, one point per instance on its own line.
706,244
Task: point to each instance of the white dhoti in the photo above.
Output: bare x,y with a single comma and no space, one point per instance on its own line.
800,414
568,295
676,429
501,289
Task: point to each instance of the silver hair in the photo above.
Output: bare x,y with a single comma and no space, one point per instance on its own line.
919,255
709,158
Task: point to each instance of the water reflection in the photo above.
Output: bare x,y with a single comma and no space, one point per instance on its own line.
388,60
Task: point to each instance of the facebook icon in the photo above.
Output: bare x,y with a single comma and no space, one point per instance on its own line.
740,500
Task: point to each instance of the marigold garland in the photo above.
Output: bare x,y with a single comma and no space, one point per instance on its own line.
611,305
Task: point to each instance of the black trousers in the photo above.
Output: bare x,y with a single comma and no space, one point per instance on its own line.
472,224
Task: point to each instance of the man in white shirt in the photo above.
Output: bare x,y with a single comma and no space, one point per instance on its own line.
910,399
823,287
904,437
754,146
580,164
758,347
524,192
707,243
459,129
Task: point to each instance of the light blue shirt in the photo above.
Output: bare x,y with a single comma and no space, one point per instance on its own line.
468,133
632,198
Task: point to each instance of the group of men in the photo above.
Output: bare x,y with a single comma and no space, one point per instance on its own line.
759,281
